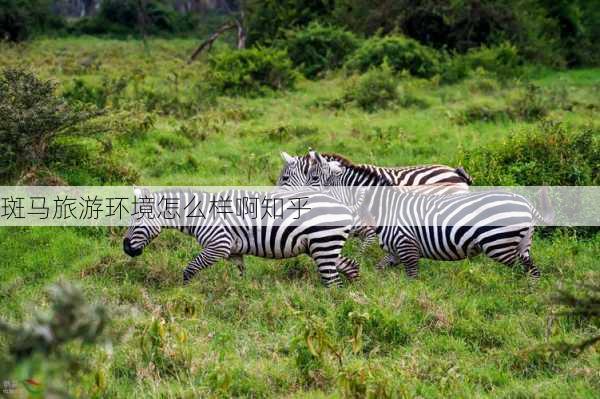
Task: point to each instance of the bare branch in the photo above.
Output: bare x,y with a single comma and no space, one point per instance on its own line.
207,44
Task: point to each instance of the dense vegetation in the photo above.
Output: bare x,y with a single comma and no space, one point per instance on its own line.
470,329
478,83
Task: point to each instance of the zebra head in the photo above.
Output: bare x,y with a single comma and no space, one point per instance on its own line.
145,225
322,172
294,171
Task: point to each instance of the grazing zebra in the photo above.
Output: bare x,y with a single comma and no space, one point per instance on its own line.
442,227
432,179
318,226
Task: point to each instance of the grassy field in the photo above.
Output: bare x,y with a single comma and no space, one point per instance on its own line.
466,329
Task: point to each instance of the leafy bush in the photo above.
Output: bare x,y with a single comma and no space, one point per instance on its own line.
267,21
547,154
43,346
373,90
80,91
481,111
123,17
20,18
31,118
318,48
502,60
400,52
251,71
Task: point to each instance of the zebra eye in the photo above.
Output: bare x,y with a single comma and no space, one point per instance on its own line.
285,178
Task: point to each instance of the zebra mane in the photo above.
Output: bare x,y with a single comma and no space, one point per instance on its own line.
363,169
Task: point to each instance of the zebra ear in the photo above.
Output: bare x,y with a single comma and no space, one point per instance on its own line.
287,157
315,157
335,167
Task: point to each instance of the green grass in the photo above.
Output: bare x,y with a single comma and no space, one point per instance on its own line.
468,329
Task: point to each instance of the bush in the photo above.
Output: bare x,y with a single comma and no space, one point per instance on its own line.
318,48
122,17
503,60
251,71
31,118
547,154
400,52
20,18
374,90
267,21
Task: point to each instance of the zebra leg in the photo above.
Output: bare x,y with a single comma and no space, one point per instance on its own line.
530,268
208,257
238,260
408,254
368,236
348,267
327,259
525,256
387,261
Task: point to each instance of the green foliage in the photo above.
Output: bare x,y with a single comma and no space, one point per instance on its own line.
502,62
268,20
399,52
546,154
19,19
70,318
121,17
374,90
31,118
43,346
251,71
318,48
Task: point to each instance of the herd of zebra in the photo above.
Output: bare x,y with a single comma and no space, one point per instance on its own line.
438,218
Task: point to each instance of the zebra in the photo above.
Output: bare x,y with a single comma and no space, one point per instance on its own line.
411,225
320,228
445,179
432,179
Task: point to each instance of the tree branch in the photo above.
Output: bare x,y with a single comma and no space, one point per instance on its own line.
209,42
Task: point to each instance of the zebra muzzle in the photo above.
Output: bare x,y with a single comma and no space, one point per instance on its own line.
130,251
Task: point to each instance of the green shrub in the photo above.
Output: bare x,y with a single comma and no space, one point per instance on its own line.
481,111
267,21
31,118
318,48
21,18
533,102
373,90
400,52
502,60
80,91
251,71
547,154
122,17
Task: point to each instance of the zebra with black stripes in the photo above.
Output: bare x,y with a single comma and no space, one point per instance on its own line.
412,225
315,224
432,179
442,178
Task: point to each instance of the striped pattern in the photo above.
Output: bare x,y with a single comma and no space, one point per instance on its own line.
433,179
319,231
295,174
442,227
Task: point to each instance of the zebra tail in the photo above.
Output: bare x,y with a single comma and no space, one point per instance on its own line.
546,215
463,173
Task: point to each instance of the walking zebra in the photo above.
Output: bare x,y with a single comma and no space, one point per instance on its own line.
316,224
433,179
411,225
